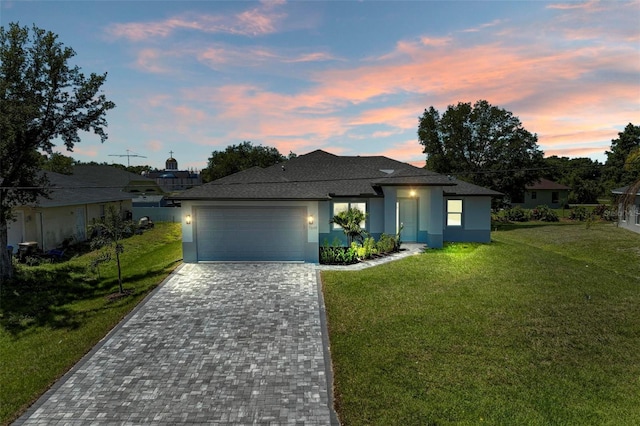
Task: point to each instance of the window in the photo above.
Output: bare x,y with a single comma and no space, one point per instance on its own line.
555,197
454,212
342,207
534,195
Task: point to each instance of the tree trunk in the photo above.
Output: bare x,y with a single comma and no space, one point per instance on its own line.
119,271
6,271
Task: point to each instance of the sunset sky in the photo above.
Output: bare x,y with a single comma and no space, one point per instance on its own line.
350,78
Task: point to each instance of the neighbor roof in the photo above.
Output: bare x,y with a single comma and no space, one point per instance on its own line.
320,175
105,175
69,190
623,190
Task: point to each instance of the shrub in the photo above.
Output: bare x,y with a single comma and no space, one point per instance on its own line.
605,212
580,213
515,214
544,214
387,244
336,254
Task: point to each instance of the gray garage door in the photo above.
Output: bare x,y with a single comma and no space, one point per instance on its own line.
250,233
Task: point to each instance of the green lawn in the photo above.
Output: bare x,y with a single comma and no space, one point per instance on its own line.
58,312
542,326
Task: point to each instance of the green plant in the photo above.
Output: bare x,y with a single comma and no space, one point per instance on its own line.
544,214
109,234
580,213
515,214
387,244
349,220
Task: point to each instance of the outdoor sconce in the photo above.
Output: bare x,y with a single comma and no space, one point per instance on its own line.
310,219
187,219
412,193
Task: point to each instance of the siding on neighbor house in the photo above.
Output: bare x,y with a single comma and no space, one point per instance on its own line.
544,197
630,220
50,226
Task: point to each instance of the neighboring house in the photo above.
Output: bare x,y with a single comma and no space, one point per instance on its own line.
629,218
73,204
283,212
172,180
547,193
136,185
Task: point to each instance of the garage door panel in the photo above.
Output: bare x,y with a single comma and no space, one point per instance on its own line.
259,234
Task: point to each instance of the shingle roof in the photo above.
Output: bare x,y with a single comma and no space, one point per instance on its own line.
623,190
320,175
69,190
112,176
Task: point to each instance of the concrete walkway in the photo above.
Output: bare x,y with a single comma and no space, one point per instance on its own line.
215,344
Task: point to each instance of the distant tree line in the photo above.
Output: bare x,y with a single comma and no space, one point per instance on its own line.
488,146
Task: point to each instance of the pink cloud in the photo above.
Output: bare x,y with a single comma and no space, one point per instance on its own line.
154,145
258,21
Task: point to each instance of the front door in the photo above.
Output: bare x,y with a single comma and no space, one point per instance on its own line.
408,219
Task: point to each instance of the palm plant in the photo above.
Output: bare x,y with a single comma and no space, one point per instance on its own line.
349,220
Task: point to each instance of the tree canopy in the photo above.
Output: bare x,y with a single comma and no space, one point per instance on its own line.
43,99
621,168
582,175
481,144
236,158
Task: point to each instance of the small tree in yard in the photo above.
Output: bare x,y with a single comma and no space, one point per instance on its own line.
349,220
109,235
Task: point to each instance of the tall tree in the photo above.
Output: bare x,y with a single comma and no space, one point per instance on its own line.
481,144
625,145
43,98
241,157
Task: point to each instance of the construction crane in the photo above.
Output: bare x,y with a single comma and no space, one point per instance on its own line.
128,154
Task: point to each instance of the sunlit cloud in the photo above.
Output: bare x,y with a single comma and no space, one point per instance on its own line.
479,28
154,145
570,87
261,20
587,5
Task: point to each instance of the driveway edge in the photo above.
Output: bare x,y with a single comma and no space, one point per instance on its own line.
78,365
326,348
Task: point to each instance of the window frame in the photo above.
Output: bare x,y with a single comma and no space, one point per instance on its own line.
350,204
452,213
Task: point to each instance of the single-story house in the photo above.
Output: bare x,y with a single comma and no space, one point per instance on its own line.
283,212
629,218
545,192
73,204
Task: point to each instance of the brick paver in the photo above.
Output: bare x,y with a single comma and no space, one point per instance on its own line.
215,344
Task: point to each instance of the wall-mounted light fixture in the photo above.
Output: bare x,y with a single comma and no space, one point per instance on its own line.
187,219
412,193
310,219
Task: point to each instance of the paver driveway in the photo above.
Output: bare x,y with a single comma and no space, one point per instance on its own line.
215,344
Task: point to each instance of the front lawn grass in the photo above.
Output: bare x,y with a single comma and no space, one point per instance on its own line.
55,313
542,326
